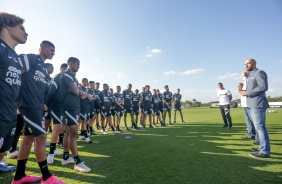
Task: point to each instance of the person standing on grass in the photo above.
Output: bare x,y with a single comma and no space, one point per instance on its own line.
136,104
225,96
97,106
177,105
31,107
257,85
71,111
156,111
161,106
92,107
118,97
54,105
12,33
167,99
113,107
146,100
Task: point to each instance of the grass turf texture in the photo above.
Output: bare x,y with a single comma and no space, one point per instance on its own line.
199,151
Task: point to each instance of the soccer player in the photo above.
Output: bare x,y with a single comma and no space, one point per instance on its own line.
225,96
141,106
106,104
156,111
127,94
85,110
167,98
118,107
161,106
97,105
177,106
111,91
12,33
92,107
146,100
31,107
54,105
71,111
47,115
136,104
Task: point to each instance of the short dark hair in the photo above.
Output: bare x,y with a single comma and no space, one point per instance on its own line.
91,82
46,42
64,65
118,86
84,79
48,64
166,86
220,83
72,59
10,20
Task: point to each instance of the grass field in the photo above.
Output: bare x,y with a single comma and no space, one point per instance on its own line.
199,151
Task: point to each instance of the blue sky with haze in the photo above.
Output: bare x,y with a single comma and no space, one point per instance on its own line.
191,45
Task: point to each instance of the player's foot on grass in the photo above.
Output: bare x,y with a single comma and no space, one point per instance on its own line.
50,159
14,154
27,179
6,168
52,180
70,160
81,167
88,141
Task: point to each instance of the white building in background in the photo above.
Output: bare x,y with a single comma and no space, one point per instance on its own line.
275,104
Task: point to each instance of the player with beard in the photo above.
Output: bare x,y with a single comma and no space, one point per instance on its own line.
167,99
71,110
156,111
177,106
146,100
118,107
54,105
12,33
85,110
92,107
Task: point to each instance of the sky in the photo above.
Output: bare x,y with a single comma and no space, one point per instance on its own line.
191,45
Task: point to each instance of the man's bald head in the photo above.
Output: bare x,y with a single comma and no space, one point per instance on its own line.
250,64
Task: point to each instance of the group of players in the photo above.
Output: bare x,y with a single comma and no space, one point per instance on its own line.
30,99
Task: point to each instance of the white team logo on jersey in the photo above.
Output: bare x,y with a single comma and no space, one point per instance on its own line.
76,117
1,142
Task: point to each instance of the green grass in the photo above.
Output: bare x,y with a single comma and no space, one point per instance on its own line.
199,151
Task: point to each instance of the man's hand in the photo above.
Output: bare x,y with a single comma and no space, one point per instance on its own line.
243,93
45,108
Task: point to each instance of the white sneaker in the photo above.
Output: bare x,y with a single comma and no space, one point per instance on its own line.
101,130
104,132
50,159
56,152
81,138
70,160
12,155
3,162
88,140
82,167
114,132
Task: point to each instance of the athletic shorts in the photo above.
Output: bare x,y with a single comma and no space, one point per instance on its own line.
147,111
136,110
47,115
161,107
156,112
167,108
127,109
177,107
71,116
7,132
92,113
33,121
113,112
56,115
106,112
97,109
84,116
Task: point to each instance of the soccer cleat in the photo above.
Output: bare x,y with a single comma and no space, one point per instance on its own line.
56,152
3,162
6,168
14,154
105,132
81,167
88,141
52,180
183,121
81,138
50,159
92,133
114,132
256,142
27,179
70,160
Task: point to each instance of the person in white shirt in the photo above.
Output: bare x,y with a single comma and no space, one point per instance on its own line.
225,96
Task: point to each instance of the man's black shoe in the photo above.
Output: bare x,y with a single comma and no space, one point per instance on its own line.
255,149
224,126
259,155
248,138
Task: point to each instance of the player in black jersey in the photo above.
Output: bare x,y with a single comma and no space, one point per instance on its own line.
167,99
12,33
47,115
97,105
141,107
156,111
136,105
85,110
92,107
118,107
31,107
71,111
161,106
177,106
146,99
111,92
106,104
54,105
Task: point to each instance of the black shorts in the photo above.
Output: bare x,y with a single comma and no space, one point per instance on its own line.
161,107
47,115
136,110
147,110
177,107
92,113
33,121
7,132
85,114
56,115
127,109
97,109
113,112
71,116
167,108
156,112
106,112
